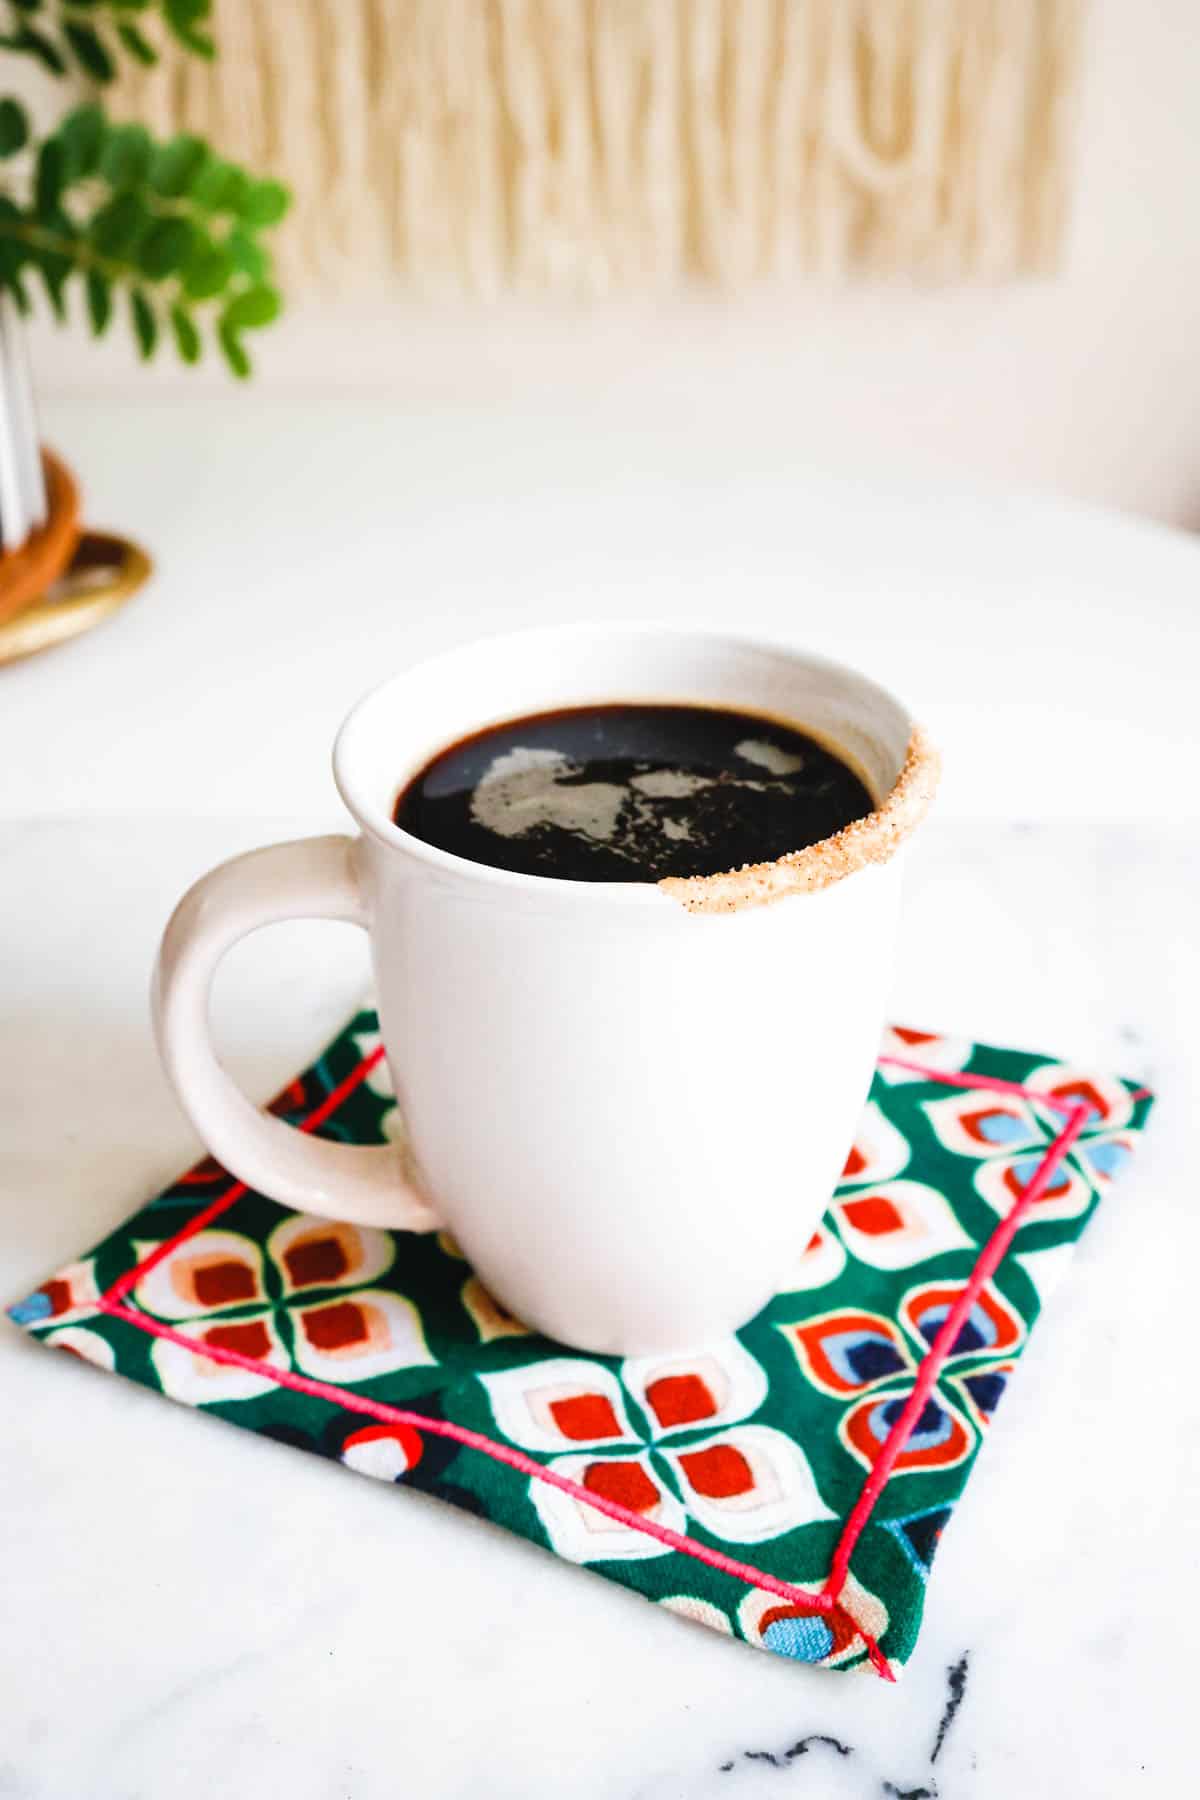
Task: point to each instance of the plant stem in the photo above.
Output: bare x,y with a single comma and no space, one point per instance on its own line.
38,237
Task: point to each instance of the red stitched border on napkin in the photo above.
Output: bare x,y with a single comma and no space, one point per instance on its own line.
114,1303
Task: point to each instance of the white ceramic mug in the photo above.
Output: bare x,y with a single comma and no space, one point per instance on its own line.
630,1111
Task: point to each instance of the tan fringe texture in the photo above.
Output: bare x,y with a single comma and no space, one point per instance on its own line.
596,144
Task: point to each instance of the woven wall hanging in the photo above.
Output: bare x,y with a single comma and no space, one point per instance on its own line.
596,144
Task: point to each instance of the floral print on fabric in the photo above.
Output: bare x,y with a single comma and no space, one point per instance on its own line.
718,1482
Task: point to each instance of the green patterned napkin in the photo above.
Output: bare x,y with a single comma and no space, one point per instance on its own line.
787,1486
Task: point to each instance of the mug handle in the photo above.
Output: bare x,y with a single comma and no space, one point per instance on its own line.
311,878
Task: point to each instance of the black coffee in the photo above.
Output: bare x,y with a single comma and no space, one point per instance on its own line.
631,793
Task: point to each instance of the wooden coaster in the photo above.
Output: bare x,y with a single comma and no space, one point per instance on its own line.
104,573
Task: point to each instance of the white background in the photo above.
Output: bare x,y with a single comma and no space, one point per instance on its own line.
1087,384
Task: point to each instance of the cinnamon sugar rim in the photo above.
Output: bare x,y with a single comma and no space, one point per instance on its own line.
873,839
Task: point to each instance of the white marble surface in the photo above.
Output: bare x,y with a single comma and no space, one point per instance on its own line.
189,1610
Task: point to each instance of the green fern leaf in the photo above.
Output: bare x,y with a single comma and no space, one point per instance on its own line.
145,325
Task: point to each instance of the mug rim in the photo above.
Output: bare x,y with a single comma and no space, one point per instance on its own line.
377,823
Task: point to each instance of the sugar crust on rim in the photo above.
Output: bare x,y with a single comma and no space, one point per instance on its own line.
873,839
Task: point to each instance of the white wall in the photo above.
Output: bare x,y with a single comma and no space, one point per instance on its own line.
1087,384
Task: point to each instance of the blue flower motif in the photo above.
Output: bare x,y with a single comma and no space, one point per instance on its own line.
28,1312
805,1639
